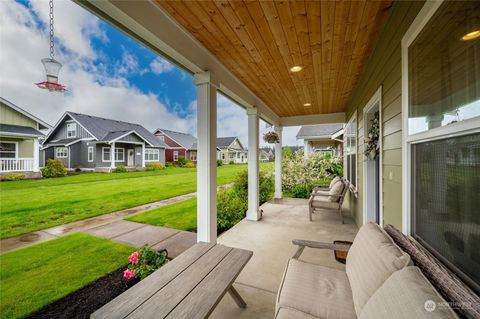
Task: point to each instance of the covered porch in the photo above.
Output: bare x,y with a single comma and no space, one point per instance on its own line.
271,242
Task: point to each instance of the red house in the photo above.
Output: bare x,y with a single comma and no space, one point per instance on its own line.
180,144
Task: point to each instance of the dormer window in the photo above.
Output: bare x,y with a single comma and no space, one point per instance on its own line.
71,130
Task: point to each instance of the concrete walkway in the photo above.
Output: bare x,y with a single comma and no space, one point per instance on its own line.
88,225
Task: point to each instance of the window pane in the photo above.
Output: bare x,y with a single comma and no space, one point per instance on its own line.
7,150
444,70
445,199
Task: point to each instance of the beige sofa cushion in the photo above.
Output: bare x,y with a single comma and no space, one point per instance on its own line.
404,296
372,258
337,189
316,290
334,181
288,313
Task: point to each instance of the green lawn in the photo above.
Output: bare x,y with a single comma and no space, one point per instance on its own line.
181,215
28,206
35,276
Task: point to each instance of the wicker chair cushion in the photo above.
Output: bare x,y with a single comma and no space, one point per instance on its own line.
334,181
452,289
336,190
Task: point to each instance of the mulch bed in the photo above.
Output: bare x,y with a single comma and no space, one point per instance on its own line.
83,302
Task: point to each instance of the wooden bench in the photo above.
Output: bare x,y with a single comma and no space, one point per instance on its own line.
190,286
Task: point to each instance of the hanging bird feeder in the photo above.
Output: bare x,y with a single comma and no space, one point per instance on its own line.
52,66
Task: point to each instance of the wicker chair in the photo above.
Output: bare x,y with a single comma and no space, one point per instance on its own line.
321,199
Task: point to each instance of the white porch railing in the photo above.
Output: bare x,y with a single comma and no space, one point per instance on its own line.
16,164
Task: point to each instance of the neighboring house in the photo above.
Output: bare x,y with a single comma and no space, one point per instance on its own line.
20,132
179,144
266,154
322,138
94,143
230,149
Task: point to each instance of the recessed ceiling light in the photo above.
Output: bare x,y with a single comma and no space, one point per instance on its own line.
307,104
296,68
471,35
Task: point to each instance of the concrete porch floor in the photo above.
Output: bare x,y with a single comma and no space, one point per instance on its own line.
271,242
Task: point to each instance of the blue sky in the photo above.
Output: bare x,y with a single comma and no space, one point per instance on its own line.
106,72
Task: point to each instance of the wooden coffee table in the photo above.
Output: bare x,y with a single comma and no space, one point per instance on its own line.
190,286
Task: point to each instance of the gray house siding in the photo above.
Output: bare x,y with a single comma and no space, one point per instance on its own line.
61,132
64,160
131,138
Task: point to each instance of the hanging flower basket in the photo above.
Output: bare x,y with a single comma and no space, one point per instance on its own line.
372,146
271,137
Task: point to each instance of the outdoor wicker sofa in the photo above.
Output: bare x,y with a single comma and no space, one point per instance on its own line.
383,278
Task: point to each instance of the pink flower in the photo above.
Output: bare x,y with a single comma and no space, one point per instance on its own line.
134,258
128,274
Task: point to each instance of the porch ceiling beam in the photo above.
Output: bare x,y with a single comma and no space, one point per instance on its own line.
148,22
313,119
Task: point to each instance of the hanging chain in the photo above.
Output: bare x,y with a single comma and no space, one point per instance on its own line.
52,41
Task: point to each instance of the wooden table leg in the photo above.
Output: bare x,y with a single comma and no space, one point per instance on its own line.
236,296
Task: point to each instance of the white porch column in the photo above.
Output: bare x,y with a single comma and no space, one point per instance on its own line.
36,155
206,158
253,212
306,148
112,156
278,164
143,154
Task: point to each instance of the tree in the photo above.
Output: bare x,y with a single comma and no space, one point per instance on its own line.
287,152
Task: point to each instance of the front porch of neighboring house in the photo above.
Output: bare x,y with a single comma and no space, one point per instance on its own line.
233,156
251,53
19,154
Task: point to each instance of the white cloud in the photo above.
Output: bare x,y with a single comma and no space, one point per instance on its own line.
160,65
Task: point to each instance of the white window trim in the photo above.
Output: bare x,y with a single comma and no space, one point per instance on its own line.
353,118
465,127
152,151
376,98
175,156
16,148
58,148
90,148
75,130
123,154
103,154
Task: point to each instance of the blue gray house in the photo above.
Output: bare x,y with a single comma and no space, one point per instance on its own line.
94,143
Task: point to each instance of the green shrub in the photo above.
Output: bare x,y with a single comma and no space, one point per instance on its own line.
266,186
219,162
302,191
181,161
54,168
154,167
12,177
231,208
190,164
168,164
231,162
144,262
120,169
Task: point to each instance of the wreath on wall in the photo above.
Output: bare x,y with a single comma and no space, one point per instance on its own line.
372,145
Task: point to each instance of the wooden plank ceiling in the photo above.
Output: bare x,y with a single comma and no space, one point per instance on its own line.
259,41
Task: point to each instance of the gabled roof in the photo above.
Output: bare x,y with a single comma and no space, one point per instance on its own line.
185,140
42,125
103,129
225,142
318,131
6,129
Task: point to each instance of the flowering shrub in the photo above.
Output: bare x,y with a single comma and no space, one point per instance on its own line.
144,262
54,168
300,174
190,164
154,167
271,137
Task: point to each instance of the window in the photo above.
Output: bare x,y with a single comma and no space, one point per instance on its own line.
152,155
442,144
106,154
61,152
8,150
175,156
71,130
193,156
350,141
90,153
119,154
